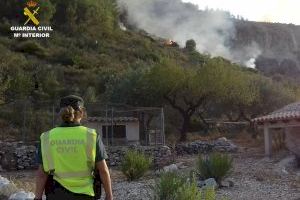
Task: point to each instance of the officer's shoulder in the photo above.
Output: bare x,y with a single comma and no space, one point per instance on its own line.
91,130
47,132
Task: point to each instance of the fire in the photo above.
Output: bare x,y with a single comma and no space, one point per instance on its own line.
171,43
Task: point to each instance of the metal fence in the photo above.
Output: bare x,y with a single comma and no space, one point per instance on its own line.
25,120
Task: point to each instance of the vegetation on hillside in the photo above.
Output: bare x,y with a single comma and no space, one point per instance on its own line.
89,55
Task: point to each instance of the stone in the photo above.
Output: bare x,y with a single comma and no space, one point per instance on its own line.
297,177
200,184
3,181
181,165
210,183
227,183
170,168
22,195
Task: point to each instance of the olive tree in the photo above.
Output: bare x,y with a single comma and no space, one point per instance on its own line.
187,89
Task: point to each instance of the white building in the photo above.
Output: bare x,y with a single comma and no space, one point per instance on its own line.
123,130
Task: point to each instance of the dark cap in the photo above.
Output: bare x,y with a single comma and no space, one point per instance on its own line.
72,100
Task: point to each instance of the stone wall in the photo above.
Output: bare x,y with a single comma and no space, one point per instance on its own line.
196,147
161,155
18,156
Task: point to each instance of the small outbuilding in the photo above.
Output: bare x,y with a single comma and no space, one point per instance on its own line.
286,119
122,130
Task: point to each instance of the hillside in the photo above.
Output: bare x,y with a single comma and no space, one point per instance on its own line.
279,45
91,55
272,47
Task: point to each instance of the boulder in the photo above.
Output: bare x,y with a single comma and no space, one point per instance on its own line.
22,195
208,183
6,188
170,168
227,183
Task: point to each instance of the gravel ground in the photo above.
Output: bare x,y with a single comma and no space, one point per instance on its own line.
255,178
132,191
263,179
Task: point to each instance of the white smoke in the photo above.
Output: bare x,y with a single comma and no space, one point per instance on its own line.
122,26
250,63
180,22
246,55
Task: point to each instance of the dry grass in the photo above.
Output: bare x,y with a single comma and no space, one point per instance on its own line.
26,184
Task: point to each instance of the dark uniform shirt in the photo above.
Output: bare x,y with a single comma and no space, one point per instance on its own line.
100,149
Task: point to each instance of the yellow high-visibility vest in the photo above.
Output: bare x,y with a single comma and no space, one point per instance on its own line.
69,154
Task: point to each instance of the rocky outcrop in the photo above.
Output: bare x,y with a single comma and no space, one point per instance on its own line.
278,46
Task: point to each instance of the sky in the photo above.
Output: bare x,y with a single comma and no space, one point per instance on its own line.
282,11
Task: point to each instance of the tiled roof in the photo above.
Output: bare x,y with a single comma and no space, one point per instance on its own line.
289,112
115,119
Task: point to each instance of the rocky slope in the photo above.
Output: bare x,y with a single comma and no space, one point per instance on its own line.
278,45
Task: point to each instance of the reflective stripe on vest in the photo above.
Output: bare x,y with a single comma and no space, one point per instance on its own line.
76,174
47,153
89,148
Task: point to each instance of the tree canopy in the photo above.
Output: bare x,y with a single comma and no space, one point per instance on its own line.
89,55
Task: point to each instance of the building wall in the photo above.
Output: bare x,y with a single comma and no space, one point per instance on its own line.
132,129
292,140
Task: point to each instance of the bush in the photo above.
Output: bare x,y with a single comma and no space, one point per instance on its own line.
215,166
135,165
190,45
31,47
190,191
171,186
167,186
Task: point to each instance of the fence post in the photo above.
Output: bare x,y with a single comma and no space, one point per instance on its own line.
24,122
106,125
112,125
163,126
53,123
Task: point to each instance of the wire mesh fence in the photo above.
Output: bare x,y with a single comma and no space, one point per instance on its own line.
118,124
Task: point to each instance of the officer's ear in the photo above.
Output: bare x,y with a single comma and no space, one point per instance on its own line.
82,113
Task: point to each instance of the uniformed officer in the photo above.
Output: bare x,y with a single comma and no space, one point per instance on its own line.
69,153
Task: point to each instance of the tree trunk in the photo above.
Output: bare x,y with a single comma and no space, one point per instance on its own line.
204,122
184,127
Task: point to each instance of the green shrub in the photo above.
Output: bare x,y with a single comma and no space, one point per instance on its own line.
189,191
31,47
167,186
215,165
208,194
135,165
190,45
172,186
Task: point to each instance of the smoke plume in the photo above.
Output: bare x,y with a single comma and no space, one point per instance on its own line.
173,19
